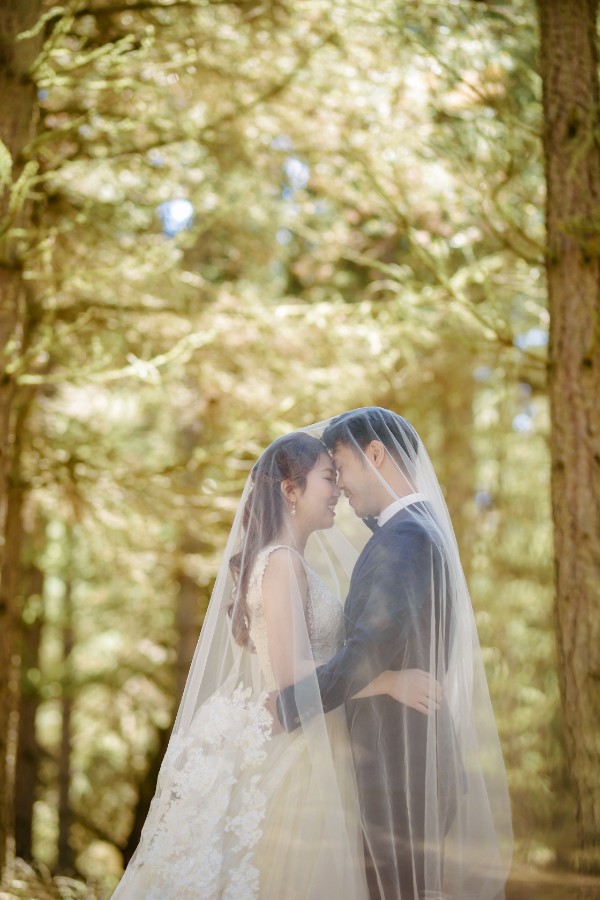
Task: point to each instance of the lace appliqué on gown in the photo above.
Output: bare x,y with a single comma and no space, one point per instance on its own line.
189,842
208,812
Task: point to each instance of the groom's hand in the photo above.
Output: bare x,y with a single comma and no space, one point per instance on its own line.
417,689
270,706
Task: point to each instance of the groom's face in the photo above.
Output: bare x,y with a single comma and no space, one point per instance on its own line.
357,480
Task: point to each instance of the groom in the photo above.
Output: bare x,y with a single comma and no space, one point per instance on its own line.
397,616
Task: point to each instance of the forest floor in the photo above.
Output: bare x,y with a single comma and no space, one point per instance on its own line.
528,883
525,883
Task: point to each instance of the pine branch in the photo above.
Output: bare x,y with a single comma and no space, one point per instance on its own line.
238,111
141,6
144,369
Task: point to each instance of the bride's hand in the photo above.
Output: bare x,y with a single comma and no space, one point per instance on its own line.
415,688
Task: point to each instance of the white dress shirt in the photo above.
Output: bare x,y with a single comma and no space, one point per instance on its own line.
397,505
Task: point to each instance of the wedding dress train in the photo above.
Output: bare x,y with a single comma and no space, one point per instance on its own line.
239,814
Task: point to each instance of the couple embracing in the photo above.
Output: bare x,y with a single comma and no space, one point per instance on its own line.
330,750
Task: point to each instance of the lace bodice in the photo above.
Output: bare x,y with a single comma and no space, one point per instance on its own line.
325,617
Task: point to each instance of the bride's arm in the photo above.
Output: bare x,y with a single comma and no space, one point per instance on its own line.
285,594
413,687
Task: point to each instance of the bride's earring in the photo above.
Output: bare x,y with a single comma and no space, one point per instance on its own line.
293,509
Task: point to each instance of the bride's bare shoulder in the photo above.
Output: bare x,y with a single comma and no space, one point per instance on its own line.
284,570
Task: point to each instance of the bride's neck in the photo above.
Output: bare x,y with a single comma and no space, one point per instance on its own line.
293,536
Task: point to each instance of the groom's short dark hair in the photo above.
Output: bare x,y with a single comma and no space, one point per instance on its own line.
358,427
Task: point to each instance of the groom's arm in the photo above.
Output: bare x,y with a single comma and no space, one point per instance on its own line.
396,580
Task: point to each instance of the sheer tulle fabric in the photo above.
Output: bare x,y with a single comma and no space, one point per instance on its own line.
358,798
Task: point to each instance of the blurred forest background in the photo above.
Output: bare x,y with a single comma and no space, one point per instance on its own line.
222,220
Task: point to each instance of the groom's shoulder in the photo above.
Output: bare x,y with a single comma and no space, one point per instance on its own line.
401,530
409,530
406,525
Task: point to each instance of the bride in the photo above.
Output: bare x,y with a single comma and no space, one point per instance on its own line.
240,812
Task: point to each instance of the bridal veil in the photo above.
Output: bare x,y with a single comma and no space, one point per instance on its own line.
418,802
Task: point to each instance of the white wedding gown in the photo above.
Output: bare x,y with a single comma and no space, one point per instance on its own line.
241,815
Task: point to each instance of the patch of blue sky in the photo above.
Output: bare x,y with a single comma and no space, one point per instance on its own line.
522,423
535,337
282,142
283,236
483,498
176,215
483,373
297,173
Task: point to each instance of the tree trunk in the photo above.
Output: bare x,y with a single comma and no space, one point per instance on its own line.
9,655
458,463
18,118
28,748
188,623
65,853
569,68
146,793
10,588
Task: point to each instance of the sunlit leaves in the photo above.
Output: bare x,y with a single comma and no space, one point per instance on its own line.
254,217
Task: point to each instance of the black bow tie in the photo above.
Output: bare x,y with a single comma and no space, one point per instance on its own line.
372,523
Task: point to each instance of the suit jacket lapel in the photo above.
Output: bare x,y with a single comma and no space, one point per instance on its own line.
367,549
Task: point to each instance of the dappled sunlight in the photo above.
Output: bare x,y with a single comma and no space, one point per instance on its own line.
242,219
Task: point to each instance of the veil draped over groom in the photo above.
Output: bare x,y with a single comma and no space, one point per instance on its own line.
432,789
432,797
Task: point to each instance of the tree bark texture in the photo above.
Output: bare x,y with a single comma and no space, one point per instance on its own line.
17,123
65,853
10,601
146,793
28,752
188,624
569,68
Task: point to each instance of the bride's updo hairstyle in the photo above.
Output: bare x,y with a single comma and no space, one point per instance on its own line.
289,458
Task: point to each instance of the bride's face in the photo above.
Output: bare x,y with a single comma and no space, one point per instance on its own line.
315,507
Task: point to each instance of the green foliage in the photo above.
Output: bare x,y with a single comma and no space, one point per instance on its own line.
364,231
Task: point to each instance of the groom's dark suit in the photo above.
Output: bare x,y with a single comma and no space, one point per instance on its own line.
397,614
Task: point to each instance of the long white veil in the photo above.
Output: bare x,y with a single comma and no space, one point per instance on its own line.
356,798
